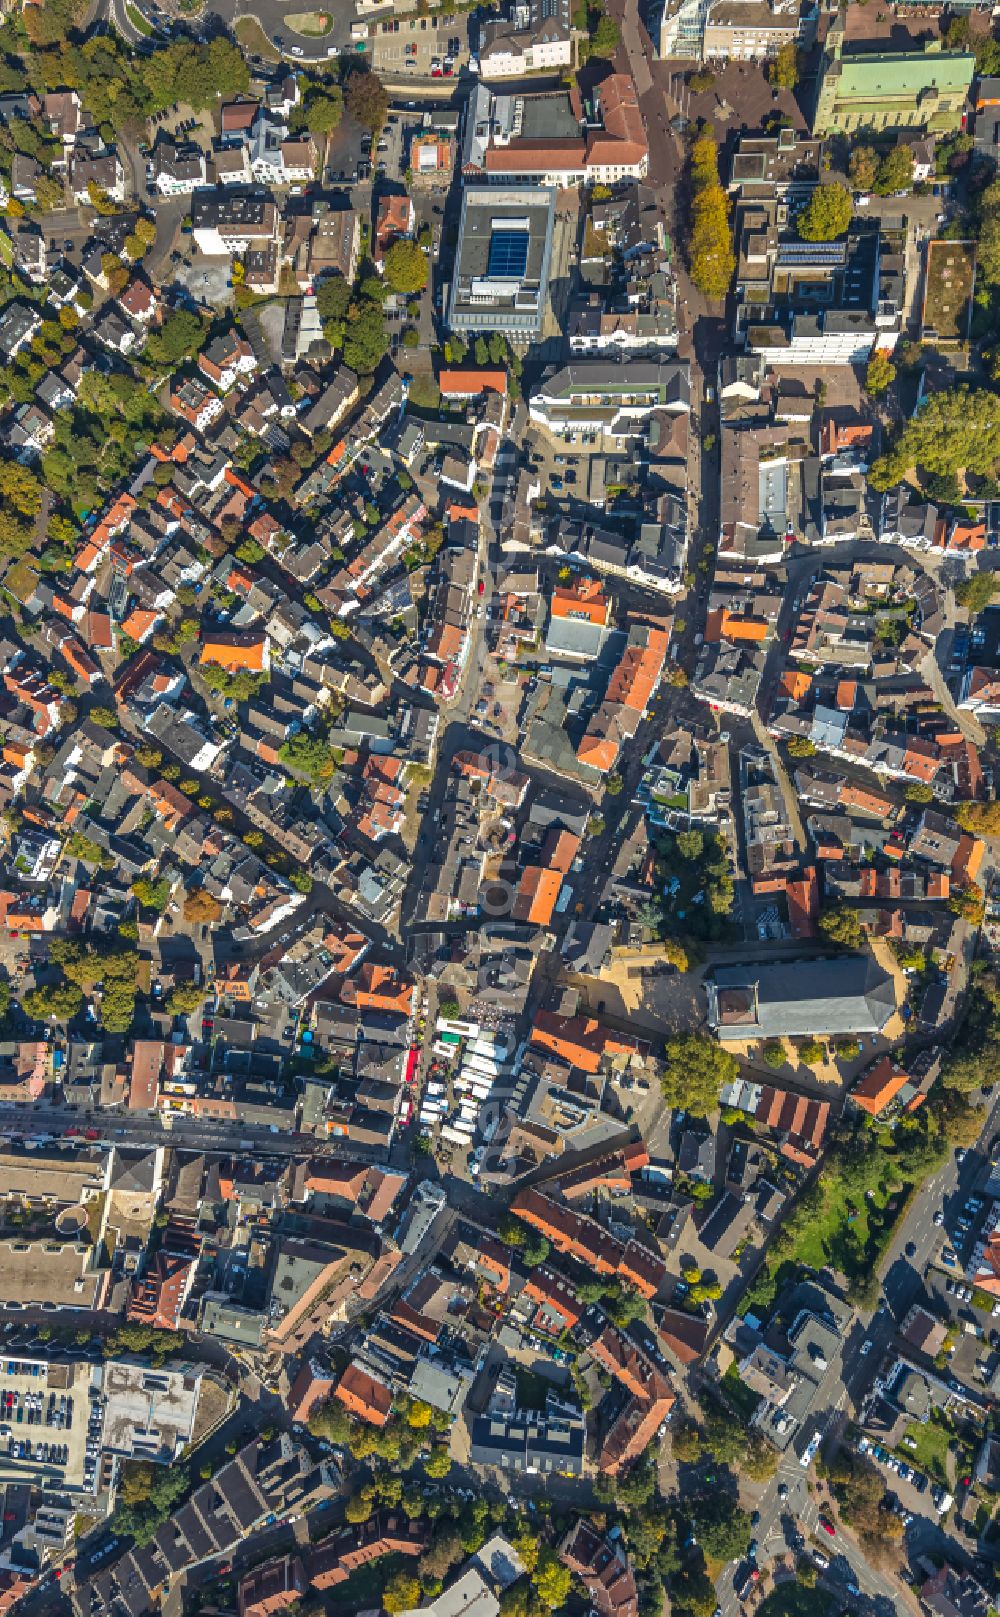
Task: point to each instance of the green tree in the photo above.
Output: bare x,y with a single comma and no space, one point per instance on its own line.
692,1592
443,1552
510,1230
863,167
811,1052
325,111
550,1578
988,234
723,1529
952,430
916,792
827,214
624,1305
250,551
152,895
185,998
20,489
969,903
981,819
687,1442
178,339
841,924
527,1546
405,267
760,1460
881,373
535,1250
696,1069
437,1463
977,591
774,1055
365,342
605,37
517,1600
78,846
895,172
309,756
690,844
331,1421
333,299
59,1001
801,747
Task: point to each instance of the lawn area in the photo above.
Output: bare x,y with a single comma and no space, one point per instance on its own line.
312,23
252,37
843,1218
138,21
931,1452
795,1600
424,392
846,1217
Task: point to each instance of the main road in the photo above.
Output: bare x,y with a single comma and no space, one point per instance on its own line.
143,1130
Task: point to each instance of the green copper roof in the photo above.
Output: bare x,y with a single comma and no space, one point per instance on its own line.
902,72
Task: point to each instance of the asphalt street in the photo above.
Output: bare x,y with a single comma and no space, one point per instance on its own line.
145,1130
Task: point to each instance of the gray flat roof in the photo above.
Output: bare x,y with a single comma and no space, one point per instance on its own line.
800,998
488,280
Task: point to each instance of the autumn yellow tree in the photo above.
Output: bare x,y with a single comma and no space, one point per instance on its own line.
201,905
710,248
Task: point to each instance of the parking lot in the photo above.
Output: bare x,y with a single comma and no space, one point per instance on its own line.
911,1485
45,1422
427,47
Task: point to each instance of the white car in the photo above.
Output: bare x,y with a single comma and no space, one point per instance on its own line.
866,1347
297,50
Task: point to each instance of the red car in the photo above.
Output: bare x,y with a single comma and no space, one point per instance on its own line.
481,587
828,1527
